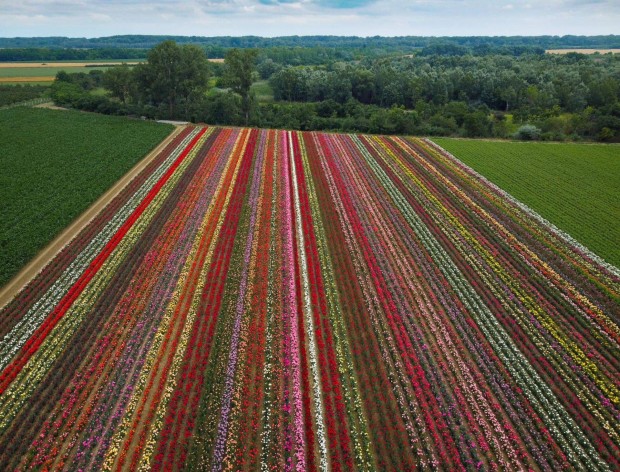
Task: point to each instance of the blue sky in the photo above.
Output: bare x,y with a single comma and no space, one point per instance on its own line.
91,18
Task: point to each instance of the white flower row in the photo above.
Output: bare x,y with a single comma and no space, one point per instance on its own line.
353,401
578,449
55,343
307,313
567,238
411,412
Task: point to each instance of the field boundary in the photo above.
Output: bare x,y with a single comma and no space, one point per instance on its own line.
9,80
45,65
34,102
583,50
560,233
45,256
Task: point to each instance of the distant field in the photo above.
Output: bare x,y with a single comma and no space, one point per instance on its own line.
582,51
45,72
54,165
26,80
575,186
263,91
36,72
39,74
45,65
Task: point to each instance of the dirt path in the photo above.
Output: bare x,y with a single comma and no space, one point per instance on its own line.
50,106
13,287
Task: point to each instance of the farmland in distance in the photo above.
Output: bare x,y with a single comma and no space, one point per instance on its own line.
304,300
574,186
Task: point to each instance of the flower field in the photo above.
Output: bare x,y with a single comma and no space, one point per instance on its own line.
273,300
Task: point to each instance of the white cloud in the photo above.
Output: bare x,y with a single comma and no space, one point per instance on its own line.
288,17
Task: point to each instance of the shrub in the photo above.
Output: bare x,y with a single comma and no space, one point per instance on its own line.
528,133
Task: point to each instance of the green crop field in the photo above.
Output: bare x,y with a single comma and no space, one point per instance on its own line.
10,72
53,166
575,186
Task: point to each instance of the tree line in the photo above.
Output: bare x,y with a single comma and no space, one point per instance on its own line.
10,94
71,54
171,84
529,96
571,95
387,44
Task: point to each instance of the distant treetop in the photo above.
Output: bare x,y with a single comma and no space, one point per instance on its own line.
391,43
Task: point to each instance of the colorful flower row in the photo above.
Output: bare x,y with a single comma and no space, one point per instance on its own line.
273,300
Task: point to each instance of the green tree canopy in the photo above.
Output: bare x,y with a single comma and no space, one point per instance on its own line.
239,75
173,75
119,81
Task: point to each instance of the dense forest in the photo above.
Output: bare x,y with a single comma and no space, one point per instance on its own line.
399,43
293,49
571,95
470,87
69,54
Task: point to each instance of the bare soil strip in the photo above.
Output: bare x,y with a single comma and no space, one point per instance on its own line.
582,51
50,106
47,254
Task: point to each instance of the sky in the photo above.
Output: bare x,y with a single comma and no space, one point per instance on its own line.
95,18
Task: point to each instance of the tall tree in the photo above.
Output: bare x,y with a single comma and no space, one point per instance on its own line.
120,82
240,67
173,75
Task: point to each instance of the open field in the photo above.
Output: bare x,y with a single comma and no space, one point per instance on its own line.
31,80
582,51
263,91
39,75
74,159
37,72
261,299
25,81
47,65
45,72
574,186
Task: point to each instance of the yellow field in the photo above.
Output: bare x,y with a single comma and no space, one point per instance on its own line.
44,72
26,79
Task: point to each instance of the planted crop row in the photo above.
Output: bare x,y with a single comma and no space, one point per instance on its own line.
273,300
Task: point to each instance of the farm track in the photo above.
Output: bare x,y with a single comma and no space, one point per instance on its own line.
276,300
